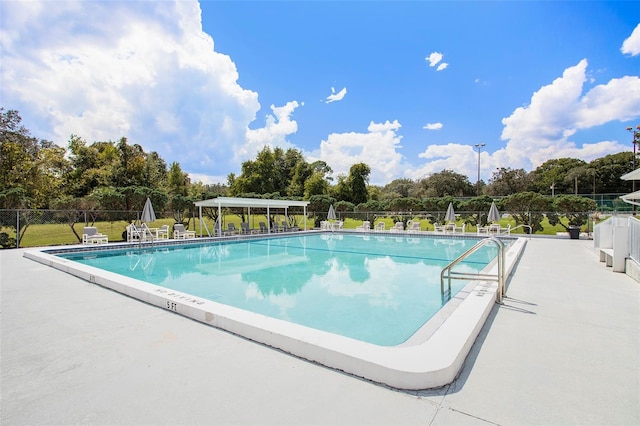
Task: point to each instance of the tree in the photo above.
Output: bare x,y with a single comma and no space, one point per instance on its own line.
507,181
607,171
527,208
476,210
573,208
447,182
30,169
357,183
554,173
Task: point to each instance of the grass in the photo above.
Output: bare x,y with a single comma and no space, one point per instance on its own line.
61,234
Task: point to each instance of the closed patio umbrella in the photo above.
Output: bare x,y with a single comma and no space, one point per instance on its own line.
148,215
494,214
332,213
451,214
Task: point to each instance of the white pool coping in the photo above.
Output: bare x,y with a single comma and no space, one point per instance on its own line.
422,363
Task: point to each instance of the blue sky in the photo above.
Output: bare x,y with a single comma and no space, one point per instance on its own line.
407,87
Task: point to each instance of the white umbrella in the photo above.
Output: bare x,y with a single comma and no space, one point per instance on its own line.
148,215
451,214
332,213
494,214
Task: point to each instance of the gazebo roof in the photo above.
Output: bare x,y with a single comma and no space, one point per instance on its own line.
634,175
250,202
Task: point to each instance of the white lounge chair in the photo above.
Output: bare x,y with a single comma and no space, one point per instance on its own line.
380,226
399,226
90,235
413,226
366,226
180,233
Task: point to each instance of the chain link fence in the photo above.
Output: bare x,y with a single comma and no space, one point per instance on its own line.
37,228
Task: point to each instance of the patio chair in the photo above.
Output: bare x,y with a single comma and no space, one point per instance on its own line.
399,226
380,226
366,225
413,226
90,235
245,228
231,229
180,233
133,233
163,232
450,227
263,228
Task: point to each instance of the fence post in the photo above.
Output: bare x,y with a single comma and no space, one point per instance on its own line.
17,228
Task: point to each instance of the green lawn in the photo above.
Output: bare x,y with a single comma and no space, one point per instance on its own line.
61,234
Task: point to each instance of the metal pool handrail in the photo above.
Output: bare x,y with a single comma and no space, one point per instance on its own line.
449,274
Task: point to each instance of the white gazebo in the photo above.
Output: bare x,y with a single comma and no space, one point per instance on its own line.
261,203
634,197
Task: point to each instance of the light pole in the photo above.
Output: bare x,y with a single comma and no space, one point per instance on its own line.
635,141
479,146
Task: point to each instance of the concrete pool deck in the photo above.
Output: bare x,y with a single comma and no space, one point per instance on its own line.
563,349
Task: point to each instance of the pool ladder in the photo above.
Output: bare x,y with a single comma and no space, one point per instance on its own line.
449,274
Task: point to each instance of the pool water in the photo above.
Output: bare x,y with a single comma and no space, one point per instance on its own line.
377,289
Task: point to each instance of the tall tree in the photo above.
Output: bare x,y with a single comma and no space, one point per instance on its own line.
447,182
607,171
30,169
507,181
357,182
553,173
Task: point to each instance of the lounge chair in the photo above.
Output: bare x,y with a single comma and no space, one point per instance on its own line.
413,226
263,227
90,235
366,226
380,226
482,230
450,227
246,229
231,229
399,226
179,233
459,228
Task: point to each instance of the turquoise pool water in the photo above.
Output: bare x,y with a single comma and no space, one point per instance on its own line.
378,289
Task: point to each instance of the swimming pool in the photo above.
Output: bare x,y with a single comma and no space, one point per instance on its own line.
390,335
379,290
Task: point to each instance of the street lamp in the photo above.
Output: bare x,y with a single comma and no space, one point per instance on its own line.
479,146
635,141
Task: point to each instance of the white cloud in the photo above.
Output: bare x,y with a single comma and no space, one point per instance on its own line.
432,126
377,148
631,45
336,96
433,58
278,126
144,70
442,66
542,129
